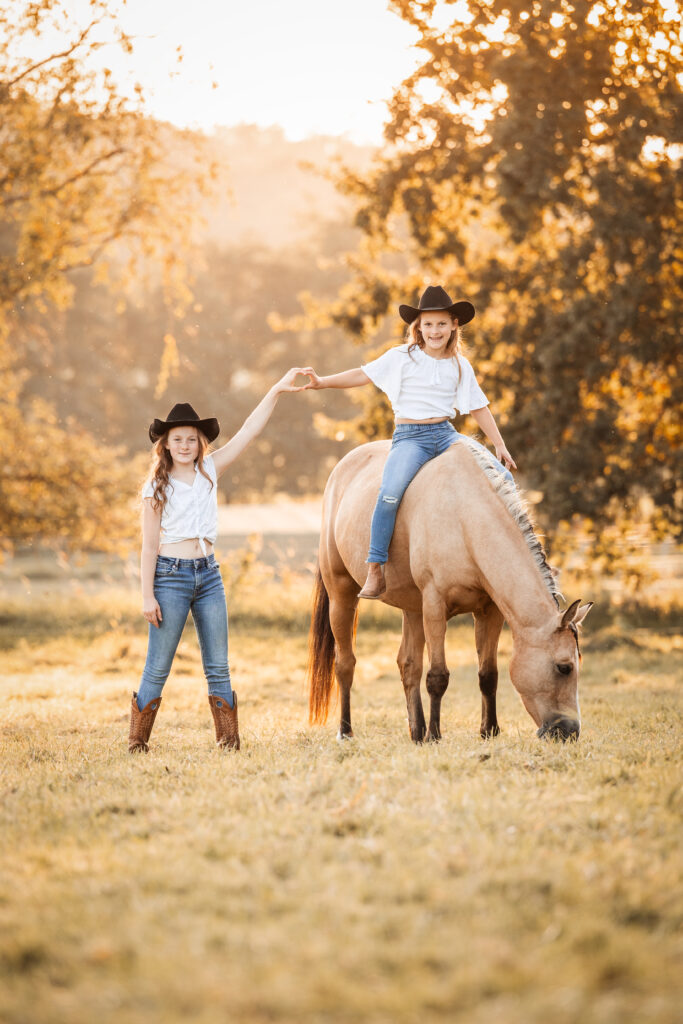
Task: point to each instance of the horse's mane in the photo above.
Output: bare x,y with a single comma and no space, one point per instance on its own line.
518,509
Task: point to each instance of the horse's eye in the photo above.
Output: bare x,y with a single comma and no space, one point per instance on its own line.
564,669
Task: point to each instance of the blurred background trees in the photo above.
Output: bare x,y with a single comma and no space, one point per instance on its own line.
533,166
128,274
83,179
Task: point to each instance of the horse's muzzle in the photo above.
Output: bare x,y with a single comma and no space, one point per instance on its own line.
559,727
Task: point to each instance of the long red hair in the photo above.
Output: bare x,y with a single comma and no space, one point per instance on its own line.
162,464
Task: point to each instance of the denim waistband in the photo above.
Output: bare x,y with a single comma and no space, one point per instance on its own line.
196,563
417,428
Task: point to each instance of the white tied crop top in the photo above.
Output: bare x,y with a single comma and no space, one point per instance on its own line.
191,511
420,387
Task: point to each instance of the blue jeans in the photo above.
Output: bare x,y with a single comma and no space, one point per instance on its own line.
182,585
412,445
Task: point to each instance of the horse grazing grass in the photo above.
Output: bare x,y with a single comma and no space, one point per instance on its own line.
463,543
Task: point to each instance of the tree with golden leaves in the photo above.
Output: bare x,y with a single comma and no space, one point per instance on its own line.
532,166
84,182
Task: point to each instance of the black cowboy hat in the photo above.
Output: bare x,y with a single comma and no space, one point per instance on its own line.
433,298
183,415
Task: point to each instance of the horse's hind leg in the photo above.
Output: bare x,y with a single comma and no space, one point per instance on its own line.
343,609
410,657
435,622
488,623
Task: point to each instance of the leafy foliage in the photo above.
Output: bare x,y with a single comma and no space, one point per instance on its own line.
533,167
83,174
230,347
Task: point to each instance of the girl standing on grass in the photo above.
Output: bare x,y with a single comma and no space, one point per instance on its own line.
426,380
178,567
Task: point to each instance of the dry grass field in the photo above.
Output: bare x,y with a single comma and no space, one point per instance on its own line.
513,880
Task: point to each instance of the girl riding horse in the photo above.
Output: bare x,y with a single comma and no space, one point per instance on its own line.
426,380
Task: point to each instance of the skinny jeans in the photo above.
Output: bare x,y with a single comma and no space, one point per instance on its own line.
183,585
412,445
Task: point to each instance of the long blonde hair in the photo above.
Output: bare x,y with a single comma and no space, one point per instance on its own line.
162,463
454,346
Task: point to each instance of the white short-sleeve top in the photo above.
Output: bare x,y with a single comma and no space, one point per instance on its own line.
191,510
420,387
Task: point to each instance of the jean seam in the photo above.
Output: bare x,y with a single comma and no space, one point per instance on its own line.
202,650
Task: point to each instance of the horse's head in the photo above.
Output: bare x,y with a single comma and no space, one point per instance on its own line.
545,672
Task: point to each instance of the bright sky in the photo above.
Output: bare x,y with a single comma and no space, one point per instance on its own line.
311,66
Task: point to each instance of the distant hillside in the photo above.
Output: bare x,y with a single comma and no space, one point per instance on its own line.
265,196
272,230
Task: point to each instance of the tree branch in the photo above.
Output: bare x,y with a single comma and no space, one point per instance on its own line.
68,181
54,56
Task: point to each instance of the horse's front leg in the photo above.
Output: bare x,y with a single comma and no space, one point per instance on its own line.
410,658
435,621
343,608
488,623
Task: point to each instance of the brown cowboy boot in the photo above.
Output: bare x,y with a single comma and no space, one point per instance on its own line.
375,584
141,723
225,720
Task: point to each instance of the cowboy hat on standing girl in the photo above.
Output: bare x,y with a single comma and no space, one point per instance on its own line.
179,570
426,380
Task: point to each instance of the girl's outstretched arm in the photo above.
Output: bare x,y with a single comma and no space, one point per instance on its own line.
348,379
484,418
256,421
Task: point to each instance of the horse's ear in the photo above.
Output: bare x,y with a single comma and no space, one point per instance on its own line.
582,613
575,614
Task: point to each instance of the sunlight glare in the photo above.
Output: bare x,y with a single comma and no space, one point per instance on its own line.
446,15
671,9
656,150
495,33
312,68
595,14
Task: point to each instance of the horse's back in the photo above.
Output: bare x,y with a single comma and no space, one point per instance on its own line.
430,525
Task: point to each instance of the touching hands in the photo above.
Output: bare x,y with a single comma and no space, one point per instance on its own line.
152,611
314,381
503,455
286,383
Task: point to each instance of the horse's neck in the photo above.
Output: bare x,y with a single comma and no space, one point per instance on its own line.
512,580
505,563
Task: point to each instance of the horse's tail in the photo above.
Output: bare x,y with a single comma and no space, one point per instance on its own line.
320,655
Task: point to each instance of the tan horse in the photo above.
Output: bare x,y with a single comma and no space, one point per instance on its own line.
463,543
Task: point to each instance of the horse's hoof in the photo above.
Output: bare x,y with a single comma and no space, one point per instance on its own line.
341,736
